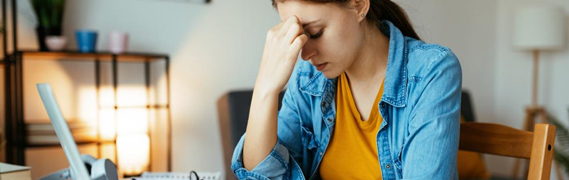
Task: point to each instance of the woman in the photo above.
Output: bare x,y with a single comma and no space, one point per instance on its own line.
369,100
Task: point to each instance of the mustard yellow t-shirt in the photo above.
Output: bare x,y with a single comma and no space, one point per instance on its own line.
352,152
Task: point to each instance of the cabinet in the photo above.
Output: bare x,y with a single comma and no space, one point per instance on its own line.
14,106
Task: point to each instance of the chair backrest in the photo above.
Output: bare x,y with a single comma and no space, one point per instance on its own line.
467,107
233,112
502,140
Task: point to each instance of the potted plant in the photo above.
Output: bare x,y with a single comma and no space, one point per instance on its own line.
50,19
561,151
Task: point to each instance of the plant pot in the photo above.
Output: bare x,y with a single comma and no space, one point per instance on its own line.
43,32
55,43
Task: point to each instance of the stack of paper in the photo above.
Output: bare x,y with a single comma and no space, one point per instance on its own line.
9,171
172,176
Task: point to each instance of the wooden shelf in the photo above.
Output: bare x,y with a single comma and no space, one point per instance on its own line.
137,107
102,56
42,145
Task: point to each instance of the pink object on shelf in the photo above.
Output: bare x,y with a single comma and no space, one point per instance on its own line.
55,43
117,42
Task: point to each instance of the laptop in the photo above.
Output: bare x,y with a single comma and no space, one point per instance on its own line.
77,167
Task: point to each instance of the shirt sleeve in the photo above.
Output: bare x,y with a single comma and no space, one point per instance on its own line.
281,161
432,144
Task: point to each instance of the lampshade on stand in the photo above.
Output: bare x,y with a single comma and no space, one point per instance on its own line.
537,29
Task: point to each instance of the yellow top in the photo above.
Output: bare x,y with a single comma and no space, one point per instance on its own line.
352,152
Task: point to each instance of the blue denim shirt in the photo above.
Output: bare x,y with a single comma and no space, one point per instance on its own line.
420,107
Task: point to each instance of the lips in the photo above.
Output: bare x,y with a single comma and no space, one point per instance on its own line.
321,66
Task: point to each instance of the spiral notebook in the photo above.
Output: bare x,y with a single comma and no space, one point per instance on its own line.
179,176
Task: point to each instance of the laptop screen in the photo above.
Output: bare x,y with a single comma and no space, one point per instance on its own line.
78,169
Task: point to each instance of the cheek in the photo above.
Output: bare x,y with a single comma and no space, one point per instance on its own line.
340,47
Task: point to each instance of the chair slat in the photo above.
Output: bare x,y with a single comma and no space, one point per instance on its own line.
495,139
542,151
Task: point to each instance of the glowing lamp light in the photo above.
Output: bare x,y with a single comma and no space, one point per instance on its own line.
133,151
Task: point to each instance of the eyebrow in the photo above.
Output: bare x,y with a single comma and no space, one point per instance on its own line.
311,22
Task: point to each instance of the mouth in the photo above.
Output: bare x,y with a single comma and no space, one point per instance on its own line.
321,66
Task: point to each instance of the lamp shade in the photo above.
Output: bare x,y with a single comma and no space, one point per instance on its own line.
539,28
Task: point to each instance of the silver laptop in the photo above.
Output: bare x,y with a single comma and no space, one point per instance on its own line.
78,169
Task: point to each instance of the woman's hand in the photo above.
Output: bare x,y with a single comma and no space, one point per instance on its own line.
282,47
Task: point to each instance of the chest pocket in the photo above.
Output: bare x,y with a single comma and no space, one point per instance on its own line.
308,139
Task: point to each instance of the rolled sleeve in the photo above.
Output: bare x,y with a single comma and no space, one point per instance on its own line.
432,145
281,163
274,166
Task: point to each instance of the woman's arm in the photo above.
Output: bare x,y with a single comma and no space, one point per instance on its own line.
279,163
431,148
282,47
261,128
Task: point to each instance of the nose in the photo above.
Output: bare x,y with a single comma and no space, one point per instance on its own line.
308,51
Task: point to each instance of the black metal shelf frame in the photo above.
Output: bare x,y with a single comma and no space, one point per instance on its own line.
13,89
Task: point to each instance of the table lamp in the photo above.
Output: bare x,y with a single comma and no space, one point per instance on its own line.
537,29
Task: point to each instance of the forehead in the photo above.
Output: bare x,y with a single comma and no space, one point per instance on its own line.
305,10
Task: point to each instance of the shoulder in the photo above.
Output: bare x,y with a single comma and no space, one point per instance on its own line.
424,58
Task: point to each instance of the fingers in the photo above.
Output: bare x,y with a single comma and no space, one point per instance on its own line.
298,43
286,25
280,30
294,31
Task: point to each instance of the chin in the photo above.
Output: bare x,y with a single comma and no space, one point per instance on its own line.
331,74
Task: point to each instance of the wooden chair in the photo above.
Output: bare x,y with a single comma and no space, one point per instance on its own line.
502,140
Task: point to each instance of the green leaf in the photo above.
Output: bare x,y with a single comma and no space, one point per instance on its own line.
561,151
49,12
562,134
562,159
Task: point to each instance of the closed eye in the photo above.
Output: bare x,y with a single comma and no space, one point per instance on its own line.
316,36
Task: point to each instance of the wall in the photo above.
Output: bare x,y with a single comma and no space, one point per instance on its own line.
470,34
512,89
498,77
217,47
214,48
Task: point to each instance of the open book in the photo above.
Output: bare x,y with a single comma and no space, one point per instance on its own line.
9,171
177,175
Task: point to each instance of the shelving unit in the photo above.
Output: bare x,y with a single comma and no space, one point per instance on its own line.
13,87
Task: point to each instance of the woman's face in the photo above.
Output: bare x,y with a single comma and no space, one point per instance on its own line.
334,33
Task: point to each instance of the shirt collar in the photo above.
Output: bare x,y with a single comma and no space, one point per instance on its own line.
395,85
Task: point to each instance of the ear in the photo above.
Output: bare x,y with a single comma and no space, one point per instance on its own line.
362,8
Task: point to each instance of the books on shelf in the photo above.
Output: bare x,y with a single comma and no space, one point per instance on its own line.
42,132
45,125
9,171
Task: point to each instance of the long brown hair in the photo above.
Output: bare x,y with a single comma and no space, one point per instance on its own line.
379,10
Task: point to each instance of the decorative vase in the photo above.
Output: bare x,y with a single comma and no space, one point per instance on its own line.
117,42
55,43
43,32
86,40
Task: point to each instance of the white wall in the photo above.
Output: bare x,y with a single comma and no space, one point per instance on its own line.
514,72
217,47
469,33
498,77
214,48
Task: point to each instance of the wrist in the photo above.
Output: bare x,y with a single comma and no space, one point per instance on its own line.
264,93
266,90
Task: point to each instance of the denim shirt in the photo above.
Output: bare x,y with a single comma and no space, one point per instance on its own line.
420,107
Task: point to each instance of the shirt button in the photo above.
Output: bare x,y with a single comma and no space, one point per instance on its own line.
388,166
323,103
382,105
321,153
329,119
